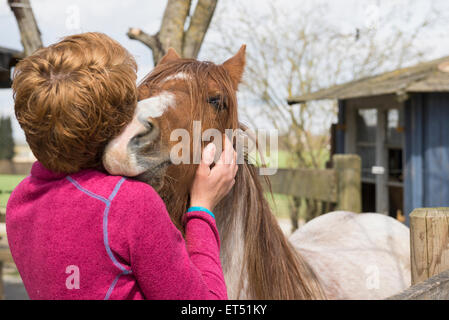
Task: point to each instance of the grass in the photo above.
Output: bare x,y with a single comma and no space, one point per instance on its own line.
7,183
280,203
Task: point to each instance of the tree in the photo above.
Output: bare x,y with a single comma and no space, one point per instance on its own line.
29,31
298,50
6,139
173,33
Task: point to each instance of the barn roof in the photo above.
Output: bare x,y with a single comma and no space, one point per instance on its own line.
431,76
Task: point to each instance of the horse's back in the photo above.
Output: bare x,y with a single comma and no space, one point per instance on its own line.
356,256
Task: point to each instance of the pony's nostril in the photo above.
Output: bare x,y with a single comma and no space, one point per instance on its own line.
149,124
149,128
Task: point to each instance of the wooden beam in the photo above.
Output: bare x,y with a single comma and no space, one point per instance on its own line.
429,241
387,101
341,185
305,183
348,168
5,255
382,199
11,167
434,288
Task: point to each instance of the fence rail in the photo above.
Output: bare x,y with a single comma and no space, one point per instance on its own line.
435,288
340,185
10,167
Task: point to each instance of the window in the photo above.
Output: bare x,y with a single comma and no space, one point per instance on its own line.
366,140
395,129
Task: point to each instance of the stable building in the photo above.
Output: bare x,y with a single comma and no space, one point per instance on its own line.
8,59
398,123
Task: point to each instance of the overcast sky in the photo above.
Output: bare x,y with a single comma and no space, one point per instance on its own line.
58,18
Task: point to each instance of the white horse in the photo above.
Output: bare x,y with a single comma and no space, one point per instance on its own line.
356,256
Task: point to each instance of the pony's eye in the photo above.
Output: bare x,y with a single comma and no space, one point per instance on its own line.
217,102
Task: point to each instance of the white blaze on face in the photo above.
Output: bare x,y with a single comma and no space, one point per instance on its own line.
118,159
178,76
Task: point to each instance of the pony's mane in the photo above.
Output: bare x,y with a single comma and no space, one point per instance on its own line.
274,270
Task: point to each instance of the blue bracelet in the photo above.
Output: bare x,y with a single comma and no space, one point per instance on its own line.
201,209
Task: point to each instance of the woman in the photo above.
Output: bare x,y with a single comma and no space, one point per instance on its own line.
76,232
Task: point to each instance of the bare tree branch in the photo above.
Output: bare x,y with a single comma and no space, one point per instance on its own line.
172,30
151,41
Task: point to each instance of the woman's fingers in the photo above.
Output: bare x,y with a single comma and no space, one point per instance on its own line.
227,167
228,155
209,154
211,185
207,158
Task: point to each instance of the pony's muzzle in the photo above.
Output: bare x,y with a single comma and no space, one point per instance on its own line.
120,155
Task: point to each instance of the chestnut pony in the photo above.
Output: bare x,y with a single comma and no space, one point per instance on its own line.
258,261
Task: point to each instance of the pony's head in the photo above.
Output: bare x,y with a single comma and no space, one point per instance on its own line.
172,97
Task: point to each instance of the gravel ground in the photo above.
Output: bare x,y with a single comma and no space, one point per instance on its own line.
14,289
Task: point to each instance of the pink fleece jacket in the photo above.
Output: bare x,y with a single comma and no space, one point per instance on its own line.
93,236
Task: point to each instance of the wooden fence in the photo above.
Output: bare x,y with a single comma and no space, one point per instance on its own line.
10,167
429,246
340,185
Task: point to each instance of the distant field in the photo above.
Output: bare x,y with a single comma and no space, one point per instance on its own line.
8,183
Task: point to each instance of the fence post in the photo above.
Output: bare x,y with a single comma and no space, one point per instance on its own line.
429,242
348,168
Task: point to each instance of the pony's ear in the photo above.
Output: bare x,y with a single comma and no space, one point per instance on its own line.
171,55
235,66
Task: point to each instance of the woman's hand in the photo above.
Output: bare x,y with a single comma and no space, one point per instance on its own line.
211,185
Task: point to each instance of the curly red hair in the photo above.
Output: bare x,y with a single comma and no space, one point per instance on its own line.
72,97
